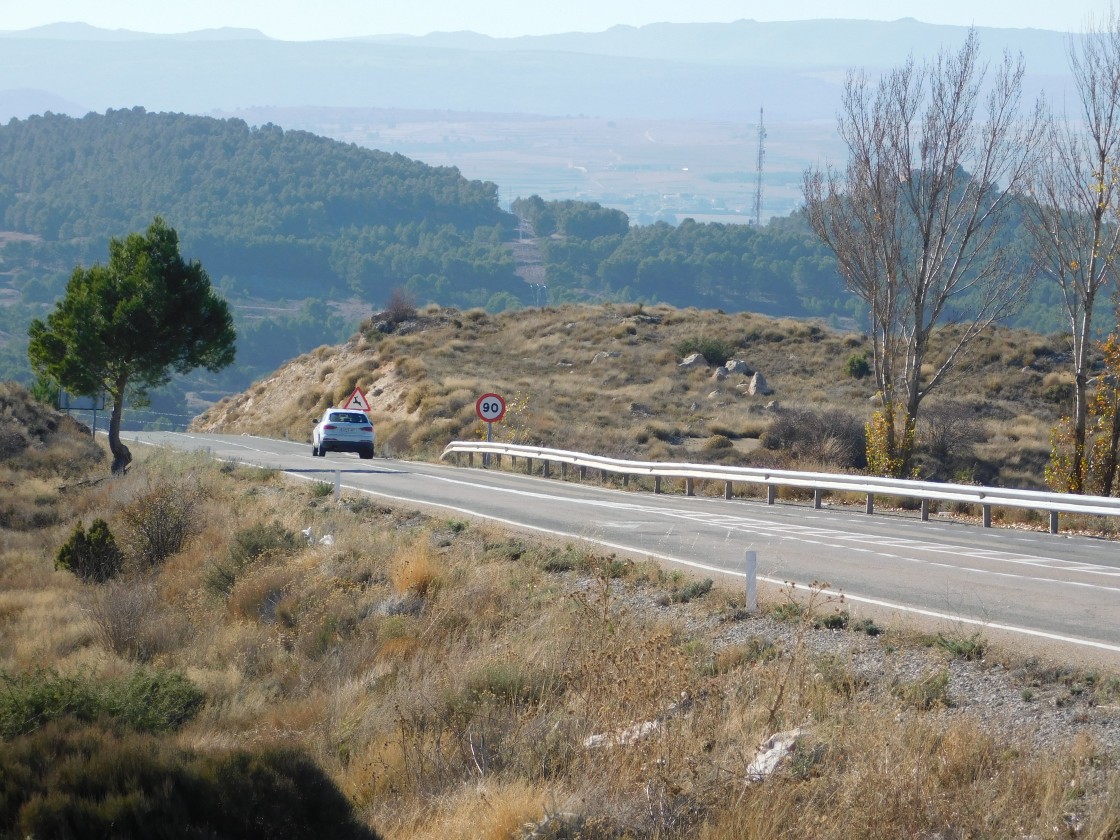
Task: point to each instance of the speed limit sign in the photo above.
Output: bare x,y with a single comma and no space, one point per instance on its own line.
490,408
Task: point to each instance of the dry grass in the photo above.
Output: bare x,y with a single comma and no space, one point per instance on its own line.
458,681
598,378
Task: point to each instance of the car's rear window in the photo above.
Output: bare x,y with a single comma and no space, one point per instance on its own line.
343,417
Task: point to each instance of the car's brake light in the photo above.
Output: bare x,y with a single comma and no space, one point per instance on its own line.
330,427
367,428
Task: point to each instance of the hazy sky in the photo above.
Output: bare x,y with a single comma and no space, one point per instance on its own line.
314,19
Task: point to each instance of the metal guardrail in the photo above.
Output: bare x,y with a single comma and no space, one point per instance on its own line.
870,486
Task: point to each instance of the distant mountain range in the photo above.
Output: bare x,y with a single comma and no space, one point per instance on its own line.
708,71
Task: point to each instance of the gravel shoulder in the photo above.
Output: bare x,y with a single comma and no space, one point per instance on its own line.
1043,692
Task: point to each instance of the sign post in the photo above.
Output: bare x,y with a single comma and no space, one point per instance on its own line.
490,409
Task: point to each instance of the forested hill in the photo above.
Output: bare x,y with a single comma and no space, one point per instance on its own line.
306,235
282,208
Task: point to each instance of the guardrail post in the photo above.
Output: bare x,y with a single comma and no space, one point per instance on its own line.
925,510
625,480
582,472
688,487
817,495
751,571
771,494
1053,522
498,460
529,466
727,489
470,459
563,469
870,508
547,471
987,516
657,484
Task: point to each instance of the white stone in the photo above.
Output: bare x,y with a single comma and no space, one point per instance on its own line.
695,360
759,387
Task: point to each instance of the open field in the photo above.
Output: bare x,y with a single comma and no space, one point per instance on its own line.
650,169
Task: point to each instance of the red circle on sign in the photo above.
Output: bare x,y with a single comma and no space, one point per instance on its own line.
490,407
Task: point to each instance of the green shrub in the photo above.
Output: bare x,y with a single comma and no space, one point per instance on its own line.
787,611
684,594
507,682
260,540
148,701
858,366
868,626
971,648
154,701
91,555
30,699
563,560
716,351
832,621
926,693
100,781
251,543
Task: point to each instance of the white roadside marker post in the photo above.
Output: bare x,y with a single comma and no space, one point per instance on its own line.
752,581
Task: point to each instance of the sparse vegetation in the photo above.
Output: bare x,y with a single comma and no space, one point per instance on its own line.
581,384
425,677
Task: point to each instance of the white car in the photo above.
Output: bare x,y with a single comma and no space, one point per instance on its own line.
343,430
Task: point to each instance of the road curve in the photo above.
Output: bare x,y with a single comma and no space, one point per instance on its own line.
1031,586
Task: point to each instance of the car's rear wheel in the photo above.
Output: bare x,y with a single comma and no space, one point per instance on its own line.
366,454
316,451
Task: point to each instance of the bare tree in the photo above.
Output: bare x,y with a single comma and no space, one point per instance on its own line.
1074,218
937,155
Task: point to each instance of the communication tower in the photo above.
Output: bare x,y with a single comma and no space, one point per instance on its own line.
758,167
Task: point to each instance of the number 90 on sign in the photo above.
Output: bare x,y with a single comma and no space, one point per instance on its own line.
490,408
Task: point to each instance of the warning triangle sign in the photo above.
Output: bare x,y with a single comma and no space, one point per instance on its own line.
357,401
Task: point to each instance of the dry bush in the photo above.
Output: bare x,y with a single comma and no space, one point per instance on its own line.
261,596
133,622
494,810
30,504
830,437
415,570
160,521
948,429
250,544
401,306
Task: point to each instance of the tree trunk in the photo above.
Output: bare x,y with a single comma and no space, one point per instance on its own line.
122,457
1108,468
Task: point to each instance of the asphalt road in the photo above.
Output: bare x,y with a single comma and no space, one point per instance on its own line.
1031,586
